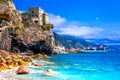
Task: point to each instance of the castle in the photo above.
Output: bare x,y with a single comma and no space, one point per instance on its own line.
38,16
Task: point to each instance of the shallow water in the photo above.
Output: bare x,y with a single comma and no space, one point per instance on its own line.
93,66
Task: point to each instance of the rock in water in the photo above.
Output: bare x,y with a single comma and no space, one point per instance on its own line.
22,70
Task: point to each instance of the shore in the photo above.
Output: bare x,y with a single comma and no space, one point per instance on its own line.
4,75
10,63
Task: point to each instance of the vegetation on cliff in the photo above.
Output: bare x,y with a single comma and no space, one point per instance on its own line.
47,26
5,0
5,16
17,30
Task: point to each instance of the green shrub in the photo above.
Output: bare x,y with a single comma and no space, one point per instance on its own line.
5,16
18,30
47,26
25,17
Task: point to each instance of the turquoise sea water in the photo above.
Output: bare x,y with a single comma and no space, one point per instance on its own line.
87,66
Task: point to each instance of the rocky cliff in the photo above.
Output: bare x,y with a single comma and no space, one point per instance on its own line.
17,38
35,39
8,13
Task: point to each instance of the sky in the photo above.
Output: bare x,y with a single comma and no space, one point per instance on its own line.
82,18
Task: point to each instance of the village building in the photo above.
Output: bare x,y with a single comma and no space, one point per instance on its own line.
38,16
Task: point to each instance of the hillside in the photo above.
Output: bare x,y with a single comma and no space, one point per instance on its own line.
71,41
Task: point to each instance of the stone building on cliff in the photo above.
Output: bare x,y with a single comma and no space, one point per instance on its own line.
38,16
16,37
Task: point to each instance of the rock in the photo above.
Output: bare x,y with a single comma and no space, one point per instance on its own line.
38,56
41,56
4,53
4,65
22,70
32,56
2,60
45,56
28,59
9,61
34,64
2,68
22,62
14,55
10,67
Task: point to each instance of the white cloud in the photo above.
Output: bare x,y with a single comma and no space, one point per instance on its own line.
83,31
73,28
56,20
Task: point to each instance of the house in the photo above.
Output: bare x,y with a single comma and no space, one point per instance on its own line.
38,16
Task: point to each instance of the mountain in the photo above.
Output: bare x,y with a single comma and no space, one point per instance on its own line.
70,41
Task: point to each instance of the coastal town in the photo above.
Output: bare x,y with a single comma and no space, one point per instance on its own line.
30,49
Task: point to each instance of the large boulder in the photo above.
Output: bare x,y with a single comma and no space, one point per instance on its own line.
22,70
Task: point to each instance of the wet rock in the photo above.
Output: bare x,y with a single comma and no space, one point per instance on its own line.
38,56
41,56
28,59
45,56
34,64
22,70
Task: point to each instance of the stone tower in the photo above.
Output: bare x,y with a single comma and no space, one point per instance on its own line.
38,16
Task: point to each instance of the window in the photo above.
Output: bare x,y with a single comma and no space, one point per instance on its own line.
32,11
36,21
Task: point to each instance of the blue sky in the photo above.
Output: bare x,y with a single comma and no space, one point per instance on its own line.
84,18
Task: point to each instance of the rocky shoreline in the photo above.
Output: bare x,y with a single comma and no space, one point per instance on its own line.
16,63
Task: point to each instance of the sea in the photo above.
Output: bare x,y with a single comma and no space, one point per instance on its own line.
76,66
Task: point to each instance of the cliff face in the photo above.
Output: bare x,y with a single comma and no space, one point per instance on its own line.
17,38
9,13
